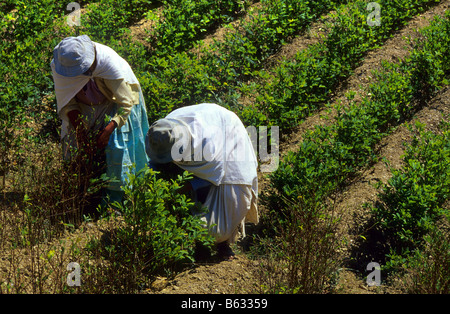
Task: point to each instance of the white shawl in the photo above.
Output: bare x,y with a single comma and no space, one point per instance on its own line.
222,151
110,66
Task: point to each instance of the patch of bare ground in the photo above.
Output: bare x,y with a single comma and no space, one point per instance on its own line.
42,267
227,277
140,31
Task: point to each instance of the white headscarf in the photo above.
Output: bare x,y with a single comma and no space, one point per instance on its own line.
110,66
222,151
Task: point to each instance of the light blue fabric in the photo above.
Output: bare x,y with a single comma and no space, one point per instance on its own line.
126,147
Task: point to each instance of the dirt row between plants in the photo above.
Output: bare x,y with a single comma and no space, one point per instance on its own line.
242,274
141,30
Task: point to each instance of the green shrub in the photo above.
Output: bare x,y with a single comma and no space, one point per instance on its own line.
161,227
431,62
411,201
304,257
186,21
429,269
297,88
108,19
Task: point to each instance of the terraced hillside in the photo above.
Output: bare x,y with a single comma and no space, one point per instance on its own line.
349,96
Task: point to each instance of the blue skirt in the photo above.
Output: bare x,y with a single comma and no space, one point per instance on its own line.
125,151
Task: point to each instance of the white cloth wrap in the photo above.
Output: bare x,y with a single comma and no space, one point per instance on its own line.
110,66
222,153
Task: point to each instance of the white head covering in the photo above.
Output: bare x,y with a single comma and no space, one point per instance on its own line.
167,139
109,66
74,55
221,150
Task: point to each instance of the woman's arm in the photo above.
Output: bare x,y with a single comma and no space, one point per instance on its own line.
121,93
103,136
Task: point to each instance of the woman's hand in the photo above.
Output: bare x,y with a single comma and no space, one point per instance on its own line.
103,136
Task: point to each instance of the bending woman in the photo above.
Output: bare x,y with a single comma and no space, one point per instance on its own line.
211,142
98,94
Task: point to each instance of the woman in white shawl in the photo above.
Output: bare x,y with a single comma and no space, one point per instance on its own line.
211,142
98,93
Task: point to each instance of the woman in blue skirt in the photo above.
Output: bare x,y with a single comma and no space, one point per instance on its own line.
98,96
